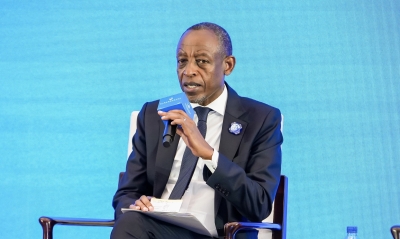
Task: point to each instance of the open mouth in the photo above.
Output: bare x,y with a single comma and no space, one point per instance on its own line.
191,85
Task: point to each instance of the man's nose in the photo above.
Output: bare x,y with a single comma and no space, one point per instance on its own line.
190,69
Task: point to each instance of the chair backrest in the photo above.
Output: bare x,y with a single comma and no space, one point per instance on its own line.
132,130
395,231
278,214
280,207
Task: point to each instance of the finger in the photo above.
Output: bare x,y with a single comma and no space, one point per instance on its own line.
146,202
173,115
179,120
139,205
180,132
161,113
184,138
133,206
143,204
150,207
177,111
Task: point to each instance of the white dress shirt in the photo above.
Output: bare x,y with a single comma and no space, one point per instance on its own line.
199,197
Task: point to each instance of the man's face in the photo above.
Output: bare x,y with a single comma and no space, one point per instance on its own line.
201,66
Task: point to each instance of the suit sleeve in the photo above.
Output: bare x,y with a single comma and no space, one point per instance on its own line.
249,181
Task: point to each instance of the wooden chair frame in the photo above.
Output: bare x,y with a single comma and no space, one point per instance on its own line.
278,226
395,231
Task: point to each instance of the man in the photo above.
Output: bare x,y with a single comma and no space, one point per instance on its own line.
239,160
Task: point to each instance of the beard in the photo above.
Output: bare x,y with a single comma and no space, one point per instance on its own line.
198,100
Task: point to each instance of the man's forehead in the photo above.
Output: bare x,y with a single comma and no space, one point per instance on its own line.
199,39
196,47
201,33
195,50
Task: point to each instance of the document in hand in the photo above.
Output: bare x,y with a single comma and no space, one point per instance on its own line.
168,211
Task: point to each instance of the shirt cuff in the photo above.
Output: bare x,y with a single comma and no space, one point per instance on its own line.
213,163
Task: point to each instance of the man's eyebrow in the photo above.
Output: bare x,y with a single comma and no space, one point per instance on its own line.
206,54
181,53
197,54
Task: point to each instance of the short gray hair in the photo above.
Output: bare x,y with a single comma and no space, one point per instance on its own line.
225,43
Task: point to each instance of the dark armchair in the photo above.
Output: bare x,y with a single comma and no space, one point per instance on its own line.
277,224
395,231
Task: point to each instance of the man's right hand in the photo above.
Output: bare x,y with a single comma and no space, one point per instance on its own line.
189,133
143,204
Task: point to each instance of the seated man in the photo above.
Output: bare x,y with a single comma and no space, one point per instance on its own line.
236,166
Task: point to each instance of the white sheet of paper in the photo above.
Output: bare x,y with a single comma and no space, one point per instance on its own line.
185,220
165,205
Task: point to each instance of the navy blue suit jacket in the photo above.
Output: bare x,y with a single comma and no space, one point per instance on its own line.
249,164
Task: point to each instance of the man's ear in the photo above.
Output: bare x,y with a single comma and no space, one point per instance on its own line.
229,62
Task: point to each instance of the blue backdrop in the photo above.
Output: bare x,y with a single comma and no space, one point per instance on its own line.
72,71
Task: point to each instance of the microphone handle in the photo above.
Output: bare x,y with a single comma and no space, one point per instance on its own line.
169,134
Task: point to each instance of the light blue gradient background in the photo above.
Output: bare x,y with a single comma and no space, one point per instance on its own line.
72,71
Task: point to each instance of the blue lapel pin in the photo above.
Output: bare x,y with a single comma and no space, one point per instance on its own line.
235,128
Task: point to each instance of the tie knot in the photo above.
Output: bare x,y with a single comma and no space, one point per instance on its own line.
202,113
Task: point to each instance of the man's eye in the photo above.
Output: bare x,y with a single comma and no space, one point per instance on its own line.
181,61
201,61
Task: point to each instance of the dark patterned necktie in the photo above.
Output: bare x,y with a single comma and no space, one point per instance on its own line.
189,161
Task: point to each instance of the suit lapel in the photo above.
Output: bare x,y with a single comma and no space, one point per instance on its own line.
164,160
233,111
229,143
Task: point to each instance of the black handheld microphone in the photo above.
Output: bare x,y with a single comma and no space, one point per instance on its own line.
169,133
174,102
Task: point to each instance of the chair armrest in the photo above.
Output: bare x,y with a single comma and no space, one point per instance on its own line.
395,231
231,228
48,223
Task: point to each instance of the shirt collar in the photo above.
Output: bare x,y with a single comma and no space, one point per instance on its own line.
219,104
